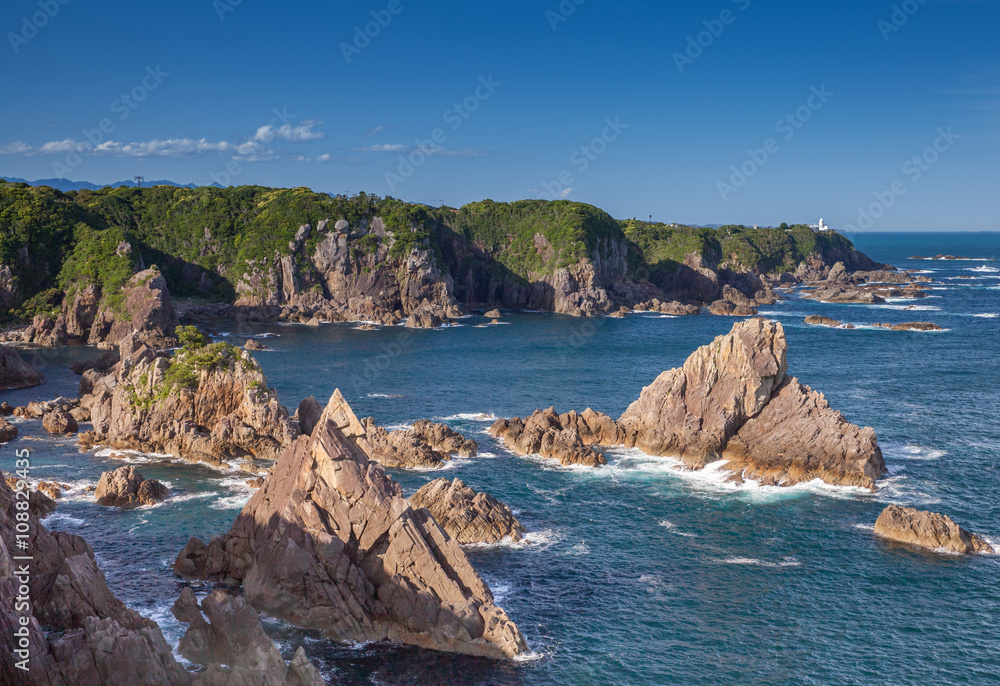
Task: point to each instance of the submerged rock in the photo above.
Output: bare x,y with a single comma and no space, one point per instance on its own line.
126,488
330,543
16,373
928,530
911,326
468,516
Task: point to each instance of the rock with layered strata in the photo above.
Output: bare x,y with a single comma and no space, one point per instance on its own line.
444,439
401,449
330,543
427,315
210,411
16,373
843,294
928,530
467,515
126,488
230,641
544,433
734,400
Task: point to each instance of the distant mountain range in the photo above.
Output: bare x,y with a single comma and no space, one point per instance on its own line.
67,185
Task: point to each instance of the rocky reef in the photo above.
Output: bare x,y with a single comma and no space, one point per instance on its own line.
126,488
330,543
205,402
734,401
467,515
424,445
928,530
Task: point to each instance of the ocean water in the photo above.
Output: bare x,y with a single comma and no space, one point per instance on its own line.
639,573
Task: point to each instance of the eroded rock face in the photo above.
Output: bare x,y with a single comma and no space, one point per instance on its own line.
145,312
732,400
59,421
228,412
928,530
8,432
425,445
468,516
93,638
126,488
548,434
15,372
233,645
330,543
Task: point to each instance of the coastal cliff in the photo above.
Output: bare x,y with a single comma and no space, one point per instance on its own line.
75,266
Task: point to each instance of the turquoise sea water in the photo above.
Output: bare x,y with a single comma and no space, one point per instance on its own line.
638,573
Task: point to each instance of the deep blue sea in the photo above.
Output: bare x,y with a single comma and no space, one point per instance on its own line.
639,573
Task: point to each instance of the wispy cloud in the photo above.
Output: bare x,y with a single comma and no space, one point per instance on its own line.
375,131
253,149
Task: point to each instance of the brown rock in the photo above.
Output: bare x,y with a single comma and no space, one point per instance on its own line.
426,316
329,543
8,432
727,308
545,434
145,313
6,409
251,344
60,422
468,516
818,320
126,488
911,326
928,530
493,314
307,414
15,372
233,645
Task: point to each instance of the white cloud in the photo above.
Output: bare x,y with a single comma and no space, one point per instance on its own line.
434,151
565,192
302,133
374,132
16,148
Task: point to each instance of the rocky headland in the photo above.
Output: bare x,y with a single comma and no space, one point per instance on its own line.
330,543
928,530
733,400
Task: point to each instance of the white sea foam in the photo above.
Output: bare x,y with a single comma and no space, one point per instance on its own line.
134,455
383,395
986,315
897,489
754,562
534,541
232,502
911,308
57,520
983,269
672,528
470,417
865,527
913,452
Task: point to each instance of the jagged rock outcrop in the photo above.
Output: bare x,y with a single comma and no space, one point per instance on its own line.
548,434
8,432
727,308
330,543
307,414
928,530
467,515
732,400
425,445
16,373
91,637
126,488
818,320
233,646
206,402
144,312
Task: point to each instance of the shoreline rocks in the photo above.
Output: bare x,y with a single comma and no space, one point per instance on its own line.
15,373
911,326
467,515
330,543
550,435
817,320
928,530
126,488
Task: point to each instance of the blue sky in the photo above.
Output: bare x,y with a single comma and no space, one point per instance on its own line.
785,111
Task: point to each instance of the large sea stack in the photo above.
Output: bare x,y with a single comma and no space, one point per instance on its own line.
330,543
733,400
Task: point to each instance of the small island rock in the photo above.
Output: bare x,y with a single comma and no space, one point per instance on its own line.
928,530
